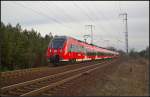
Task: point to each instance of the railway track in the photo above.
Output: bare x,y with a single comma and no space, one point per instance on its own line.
44,85
18,76
8,77
20,72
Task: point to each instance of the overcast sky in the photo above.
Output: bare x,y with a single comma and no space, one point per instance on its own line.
70,17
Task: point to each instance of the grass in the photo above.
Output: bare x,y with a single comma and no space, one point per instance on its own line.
130,79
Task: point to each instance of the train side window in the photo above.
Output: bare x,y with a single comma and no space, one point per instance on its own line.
73,48
77,48
70,48
82,49
100,53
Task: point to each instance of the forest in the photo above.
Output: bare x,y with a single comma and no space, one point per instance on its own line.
20,49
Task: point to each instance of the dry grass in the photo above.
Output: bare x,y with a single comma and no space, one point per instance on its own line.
128,78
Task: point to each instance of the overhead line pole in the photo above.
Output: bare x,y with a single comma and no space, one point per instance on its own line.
126,30
91,27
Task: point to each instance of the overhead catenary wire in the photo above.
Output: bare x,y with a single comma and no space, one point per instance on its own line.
43,14
110,23
85,13
64,12
52,11
104,16
93,20
55,20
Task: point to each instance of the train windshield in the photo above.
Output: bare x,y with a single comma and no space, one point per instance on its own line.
57,43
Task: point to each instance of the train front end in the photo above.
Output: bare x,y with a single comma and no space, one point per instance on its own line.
55,49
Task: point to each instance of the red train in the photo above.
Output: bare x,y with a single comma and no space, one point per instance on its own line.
63,48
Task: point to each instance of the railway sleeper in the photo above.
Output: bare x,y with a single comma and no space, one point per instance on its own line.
32,85
3,95
41,85
55,89
42,82
46,94
14,93
63,88
35,87
50,92
65,85
58,89
23,90
29,88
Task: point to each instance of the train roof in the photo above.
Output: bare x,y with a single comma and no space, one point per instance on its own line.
63,37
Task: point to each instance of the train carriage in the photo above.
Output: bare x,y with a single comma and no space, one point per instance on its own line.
63,48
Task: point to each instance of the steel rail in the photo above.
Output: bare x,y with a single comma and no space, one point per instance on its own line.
13,77
43,78
44,88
